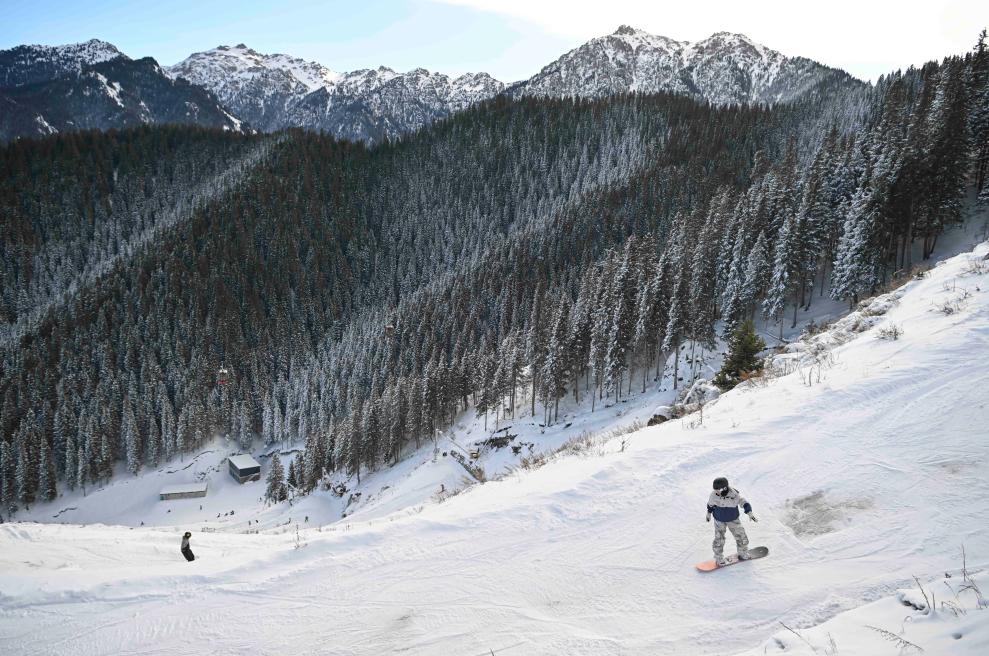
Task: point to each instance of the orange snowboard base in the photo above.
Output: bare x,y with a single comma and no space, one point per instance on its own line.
711,565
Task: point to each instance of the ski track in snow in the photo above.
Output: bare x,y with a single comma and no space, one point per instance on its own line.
590,554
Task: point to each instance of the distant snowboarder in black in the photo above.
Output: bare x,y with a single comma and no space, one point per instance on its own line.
186,549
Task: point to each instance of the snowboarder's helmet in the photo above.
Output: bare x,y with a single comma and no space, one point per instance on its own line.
187,534
720,483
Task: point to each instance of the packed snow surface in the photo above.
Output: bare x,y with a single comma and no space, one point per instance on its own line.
866,465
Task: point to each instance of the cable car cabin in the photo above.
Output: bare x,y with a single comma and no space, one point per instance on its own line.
223,376
244,468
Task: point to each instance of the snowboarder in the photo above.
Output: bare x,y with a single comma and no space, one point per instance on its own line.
186,549
723,504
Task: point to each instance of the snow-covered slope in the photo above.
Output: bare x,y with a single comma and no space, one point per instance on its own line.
277,91
116,93
866,465
723,68
49,89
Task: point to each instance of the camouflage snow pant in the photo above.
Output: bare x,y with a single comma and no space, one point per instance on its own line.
741,540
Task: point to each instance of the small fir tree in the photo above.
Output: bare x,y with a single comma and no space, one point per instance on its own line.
743,356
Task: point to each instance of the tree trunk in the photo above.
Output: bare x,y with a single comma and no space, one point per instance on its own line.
533,394
908,249
693,347
676,364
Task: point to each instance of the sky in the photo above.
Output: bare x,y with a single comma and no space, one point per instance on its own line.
510,39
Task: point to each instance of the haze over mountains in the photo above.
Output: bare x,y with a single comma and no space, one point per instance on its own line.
46,89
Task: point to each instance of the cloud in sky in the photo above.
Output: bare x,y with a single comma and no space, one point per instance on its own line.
864,37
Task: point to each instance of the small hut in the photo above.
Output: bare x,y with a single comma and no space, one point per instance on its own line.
244,468
187,491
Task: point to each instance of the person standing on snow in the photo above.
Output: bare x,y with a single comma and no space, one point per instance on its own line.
723,504
186,549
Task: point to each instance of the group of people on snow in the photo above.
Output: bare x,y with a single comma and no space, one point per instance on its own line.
723,505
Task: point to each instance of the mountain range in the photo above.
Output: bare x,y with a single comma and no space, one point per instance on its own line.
46,89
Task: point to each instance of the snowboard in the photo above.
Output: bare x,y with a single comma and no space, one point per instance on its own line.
755,552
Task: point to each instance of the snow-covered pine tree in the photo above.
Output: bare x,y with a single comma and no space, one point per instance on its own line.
535,343
267,430
167,423
786,271
245,435
61,429
132,438
614,360
600,325
757,270
371,435
25,475
643,345
556,367
293,479
275,490
396,425
858,256
70,465
704,275
413,408
979,117
46,473
154,445
579,331
743,349
679,314
8,479
732,303
182,437
82,470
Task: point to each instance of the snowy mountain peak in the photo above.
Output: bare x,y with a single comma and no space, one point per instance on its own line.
724,68
36,63
87,52
226,70
276,91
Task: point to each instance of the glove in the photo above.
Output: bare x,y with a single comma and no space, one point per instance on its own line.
752,517
708,518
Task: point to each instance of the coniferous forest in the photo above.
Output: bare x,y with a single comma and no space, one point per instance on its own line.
515,253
